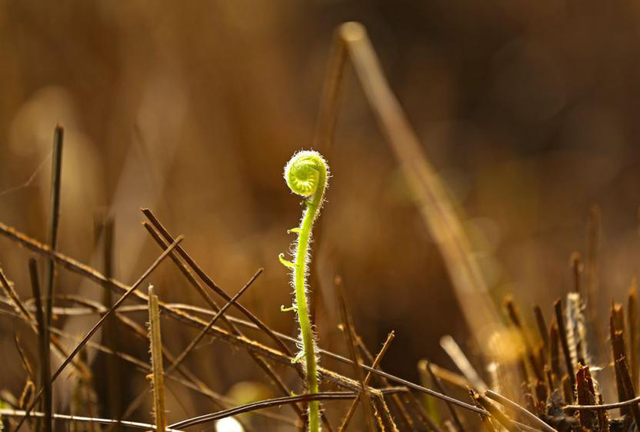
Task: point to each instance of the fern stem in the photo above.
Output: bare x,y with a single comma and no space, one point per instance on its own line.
306,174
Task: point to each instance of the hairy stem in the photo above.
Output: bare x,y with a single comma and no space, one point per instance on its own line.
306,175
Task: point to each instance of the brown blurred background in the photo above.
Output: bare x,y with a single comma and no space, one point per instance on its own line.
529,111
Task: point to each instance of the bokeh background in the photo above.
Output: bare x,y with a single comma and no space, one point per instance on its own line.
528,110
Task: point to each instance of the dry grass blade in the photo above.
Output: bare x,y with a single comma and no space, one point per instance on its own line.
11,293
486,421
443,374
104,229
542,327
397,400
375,364
26,364
554,354
422,415
521,410
157,372
450,346
618,348
603,407
43,343
383,415
516,320
54,217
95,328
183,268
564,342
586,396
347,320
435,204
271,403
496,413
454,415
622,367
634,334
329,103
81,419
215,318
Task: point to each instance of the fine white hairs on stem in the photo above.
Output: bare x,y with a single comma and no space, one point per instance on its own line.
306,174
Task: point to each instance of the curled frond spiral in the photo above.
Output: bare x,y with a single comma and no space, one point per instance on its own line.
306,172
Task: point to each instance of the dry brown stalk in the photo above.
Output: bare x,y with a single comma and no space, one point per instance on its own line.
618,348
621,366
347,321
634,333
271,403
367,379
436,380
43,352
586,396
515,407
157,370
506,422
562,332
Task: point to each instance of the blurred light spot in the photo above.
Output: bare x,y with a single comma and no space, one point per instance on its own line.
505,344
228,424
32,126
248,391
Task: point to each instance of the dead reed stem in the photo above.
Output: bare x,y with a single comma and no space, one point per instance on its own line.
81,419
623,369
521,410
564,343
104,230
634,333
54,221
329,102
506,422
43,353
453,350
436,380
367,379
434,202
322,396
157,371
349,331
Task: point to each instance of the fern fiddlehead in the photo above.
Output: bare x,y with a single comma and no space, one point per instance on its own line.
306,174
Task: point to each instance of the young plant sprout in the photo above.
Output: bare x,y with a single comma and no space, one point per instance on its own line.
306,174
